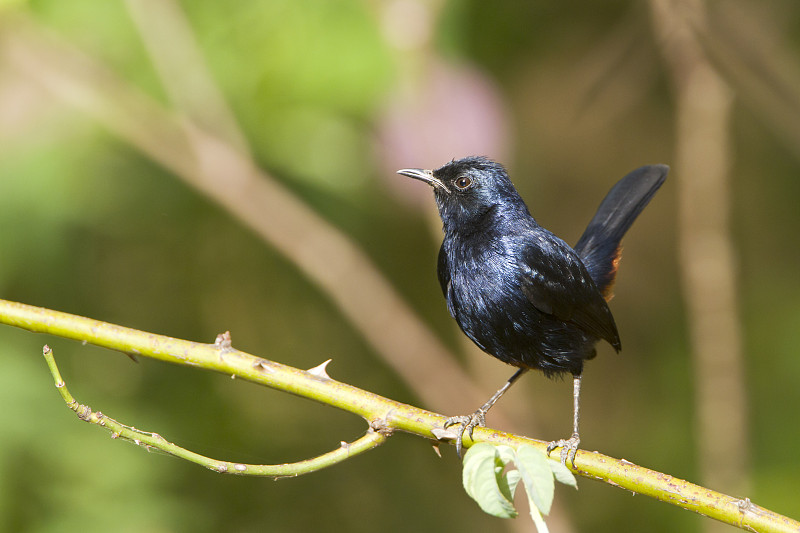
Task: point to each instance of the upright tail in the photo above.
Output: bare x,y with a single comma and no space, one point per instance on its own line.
599,247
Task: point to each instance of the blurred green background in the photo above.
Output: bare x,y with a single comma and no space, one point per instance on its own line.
328,99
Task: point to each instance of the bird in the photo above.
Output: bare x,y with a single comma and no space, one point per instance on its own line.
518,291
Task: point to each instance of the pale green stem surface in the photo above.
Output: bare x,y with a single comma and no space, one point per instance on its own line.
151,440
383,415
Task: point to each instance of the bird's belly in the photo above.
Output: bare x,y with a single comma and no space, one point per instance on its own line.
491,308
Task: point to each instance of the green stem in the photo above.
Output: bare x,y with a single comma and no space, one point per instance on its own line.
150,440
384,415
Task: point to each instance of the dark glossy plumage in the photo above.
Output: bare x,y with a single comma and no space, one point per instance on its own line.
519,292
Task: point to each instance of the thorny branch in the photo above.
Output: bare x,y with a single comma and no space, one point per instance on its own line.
383,415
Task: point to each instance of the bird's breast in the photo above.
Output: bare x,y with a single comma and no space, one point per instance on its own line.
484,277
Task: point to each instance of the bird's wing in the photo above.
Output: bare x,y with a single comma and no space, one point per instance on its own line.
556,282
444,281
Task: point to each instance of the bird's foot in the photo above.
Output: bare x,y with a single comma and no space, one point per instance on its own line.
467,423
569,447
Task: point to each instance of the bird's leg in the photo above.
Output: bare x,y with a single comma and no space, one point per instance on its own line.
478,418
569,447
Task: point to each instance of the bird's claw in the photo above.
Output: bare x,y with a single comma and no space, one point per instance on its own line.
569,447
468,423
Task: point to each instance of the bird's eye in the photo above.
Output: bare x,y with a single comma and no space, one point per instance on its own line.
463,182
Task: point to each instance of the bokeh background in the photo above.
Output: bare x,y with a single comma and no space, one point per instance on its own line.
188,168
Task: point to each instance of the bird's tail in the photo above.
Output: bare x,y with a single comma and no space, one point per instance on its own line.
599,247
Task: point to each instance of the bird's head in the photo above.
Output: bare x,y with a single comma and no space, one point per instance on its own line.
467,189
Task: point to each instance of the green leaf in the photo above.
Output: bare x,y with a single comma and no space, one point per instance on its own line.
512,478
563,474
507,483
507,453
473,462
485,483
536,476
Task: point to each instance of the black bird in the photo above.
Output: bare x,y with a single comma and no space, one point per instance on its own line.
518,291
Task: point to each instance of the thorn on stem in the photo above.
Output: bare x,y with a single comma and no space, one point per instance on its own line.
444,434
320,371
436,449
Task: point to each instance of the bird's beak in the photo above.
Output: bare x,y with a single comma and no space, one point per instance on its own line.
424,175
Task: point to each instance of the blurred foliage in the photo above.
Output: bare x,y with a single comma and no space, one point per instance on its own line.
93,227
